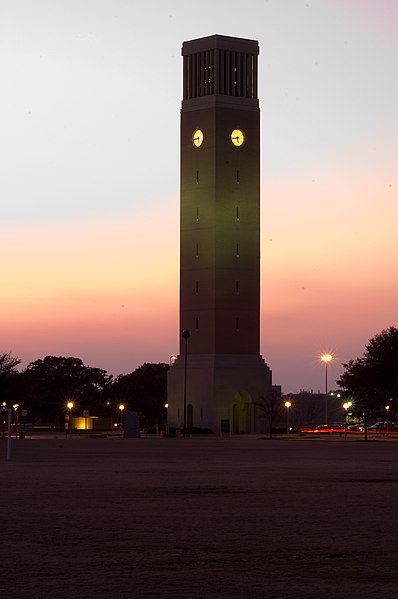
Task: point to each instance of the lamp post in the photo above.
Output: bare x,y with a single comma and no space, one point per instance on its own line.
16,406
186,335
326,358
166,407
121,408
287,406
69,405
387,408
346,406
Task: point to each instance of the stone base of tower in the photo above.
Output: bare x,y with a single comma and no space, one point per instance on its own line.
222,392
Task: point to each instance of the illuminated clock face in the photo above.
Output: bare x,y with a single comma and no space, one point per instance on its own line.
237,137
197,138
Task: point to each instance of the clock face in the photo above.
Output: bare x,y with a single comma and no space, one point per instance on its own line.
237,137
197,138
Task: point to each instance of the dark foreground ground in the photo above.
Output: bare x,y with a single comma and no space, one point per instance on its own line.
198,518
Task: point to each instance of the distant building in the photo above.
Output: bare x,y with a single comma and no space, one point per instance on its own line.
218,383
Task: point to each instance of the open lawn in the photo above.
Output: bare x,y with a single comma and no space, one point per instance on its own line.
198,518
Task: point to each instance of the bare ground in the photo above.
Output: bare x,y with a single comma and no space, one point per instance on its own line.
198,518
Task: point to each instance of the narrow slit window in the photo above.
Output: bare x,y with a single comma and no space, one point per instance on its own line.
197,213
237,213
197,250
237,250
201,412
237,287
178,412
197,287
237,177
197,323
237,323
197,176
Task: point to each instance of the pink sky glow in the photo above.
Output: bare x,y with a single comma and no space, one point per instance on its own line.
89,229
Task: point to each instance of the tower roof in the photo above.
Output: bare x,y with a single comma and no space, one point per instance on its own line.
220,42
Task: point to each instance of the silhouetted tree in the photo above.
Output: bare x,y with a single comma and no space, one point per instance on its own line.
8,372
271,407
372,380
144,391
53,381
8,364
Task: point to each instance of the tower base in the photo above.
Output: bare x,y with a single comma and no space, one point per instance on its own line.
222,392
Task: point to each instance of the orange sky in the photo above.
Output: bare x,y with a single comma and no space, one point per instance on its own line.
106,290
89,187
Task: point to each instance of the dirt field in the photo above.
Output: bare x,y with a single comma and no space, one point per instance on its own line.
198,518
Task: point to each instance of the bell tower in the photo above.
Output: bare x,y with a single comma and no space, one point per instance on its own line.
222,374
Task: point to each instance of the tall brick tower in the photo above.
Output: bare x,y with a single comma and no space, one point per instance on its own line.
219,375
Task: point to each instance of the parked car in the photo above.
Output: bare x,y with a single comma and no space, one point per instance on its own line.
356,428
383,426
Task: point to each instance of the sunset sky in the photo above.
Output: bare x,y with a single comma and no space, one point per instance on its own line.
89,185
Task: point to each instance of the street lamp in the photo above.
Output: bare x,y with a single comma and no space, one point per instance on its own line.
387,408
166,407
186,335
346,407
69,405
288,405
16,406
326,358
121,408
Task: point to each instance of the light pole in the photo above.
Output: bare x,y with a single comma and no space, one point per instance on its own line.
326,358
387,408
166,407
16,406
287,406
186,335
69,405
346,406
121,408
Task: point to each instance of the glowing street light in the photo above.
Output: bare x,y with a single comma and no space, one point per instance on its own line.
346,407
387,408
326,358
166,407
121,408
288,405
68,418
15,408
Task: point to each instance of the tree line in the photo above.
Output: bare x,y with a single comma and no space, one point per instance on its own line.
369,383
46,385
